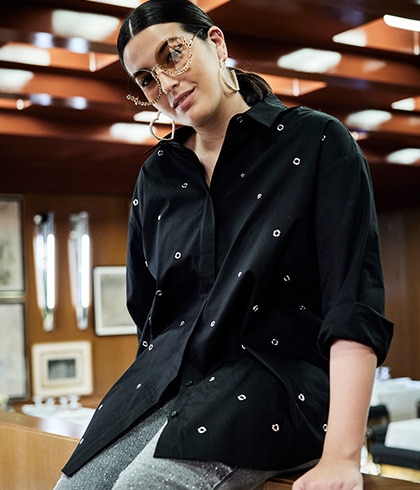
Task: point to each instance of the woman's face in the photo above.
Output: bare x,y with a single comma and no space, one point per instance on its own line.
194,96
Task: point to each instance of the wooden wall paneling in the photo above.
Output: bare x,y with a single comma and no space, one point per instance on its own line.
108,228
400,244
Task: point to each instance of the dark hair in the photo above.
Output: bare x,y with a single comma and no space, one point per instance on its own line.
253,88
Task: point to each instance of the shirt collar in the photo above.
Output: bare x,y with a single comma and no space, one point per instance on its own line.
264,112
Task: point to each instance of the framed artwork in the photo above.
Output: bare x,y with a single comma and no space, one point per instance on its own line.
62,368
109,295
11,247
13,361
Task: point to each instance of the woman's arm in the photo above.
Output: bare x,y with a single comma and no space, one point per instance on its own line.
352,372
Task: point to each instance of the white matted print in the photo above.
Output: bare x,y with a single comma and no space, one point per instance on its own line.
11,247
13,366
62,368
109,292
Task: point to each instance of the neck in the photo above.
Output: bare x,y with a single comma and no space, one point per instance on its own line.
208,139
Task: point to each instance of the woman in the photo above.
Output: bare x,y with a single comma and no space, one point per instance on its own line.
253,274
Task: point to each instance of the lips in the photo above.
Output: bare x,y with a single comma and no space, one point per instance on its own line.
181,97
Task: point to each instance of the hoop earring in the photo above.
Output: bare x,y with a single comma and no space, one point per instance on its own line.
152,129
228,77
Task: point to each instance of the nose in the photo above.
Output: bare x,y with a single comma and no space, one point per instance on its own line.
167,82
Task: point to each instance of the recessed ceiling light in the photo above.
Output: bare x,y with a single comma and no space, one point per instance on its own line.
354,37
407,156
132,133
369,119
13,80
405,104
402,23
94,27
149,116
22,53
119,3
310,60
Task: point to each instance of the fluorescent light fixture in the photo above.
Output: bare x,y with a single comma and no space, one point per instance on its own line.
94,27
310,60
402,23
14,80
355,37
132,133
404,104
407,156
369,119
45,267
23,53
79,251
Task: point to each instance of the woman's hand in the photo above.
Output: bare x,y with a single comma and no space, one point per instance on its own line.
335,475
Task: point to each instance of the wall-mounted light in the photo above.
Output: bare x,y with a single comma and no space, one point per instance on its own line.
45,267
79,263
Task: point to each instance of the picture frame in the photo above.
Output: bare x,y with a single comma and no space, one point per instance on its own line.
12,277
13,359
62,368
109,295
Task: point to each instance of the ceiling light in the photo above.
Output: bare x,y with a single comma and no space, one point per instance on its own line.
14,80
402,23
354,37
407,156
119,3
21,53
405,104
94,27
133,133
149,116
369,119
310,60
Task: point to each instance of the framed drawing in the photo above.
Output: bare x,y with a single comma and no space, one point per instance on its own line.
62,368
109,295
13,363
11,247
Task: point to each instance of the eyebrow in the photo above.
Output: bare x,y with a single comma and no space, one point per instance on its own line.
160,51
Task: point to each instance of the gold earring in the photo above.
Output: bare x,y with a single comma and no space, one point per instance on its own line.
228,77
152,129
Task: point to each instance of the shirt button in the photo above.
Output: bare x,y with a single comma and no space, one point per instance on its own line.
184,185
135,202
145,343
275,342
212,324
174,413
188,383
286,278
276,233
240,119
275,427
178,255
159,292
255,308
160,153
296,161
202,430
301,397
280,127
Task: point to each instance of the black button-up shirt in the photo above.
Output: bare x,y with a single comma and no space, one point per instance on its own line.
239,288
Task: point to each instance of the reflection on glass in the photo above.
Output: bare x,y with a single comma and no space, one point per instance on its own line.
45,267
79,263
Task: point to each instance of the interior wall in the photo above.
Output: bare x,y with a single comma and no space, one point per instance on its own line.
108,216
111,355
400,244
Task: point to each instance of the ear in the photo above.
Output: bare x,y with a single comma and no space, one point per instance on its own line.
216,36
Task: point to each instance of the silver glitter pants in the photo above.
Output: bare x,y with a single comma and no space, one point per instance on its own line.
129,464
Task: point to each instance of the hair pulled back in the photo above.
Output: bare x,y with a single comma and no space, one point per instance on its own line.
193,19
